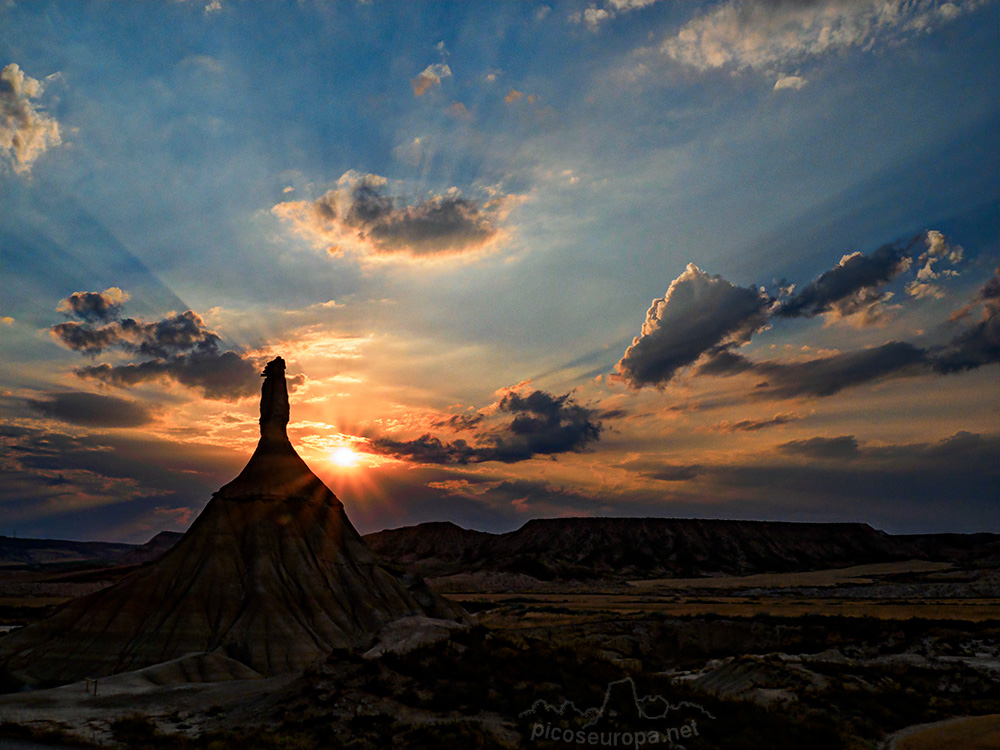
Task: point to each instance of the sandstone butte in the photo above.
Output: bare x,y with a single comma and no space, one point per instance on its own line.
271,574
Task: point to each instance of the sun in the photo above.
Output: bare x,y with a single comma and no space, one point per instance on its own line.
344,456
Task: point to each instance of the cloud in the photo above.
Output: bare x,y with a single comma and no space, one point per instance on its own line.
939,251
594,16
820,447
92,410
825,376
225,376
704,318
976,345
513,95
766,35
850,291
360,215
95,306
793,83
896,487
178,348
521,425
431,76
412,152
460,422
753,425
177,333
26,131
91,484
674,473
979,343
459,111
697,314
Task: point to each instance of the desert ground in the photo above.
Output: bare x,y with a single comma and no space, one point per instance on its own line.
902,655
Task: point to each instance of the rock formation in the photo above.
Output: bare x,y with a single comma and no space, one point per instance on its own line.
271,574
624,548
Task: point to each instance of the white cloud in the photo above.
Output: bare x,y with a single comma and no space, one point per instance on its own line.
939,251
429,77
26,132
624,6
594,16
790,82
755,34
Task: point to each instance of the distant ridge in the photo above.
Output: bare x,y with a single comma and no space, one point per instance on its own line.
589,548
17,552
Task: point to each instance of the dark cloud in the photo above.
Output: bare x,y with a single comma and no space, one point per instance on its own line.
444,224
724,363
225,376
176,334
850,287
824,376
103,485
674,473
752,425
459,422
95,306
178,348
428,449
362,215
899,488
703,317
698,313
613,414
844,446
92,410
543,424
978,344
85,338
523,426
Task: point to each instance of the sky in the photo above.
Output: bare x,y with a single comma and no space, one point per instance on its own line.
732,259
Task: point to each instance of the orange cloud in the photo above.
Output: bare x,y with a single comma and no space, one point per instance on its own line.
429,77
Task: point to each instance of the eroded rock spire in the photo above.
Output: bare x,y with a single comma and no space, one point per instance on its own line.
275,470
274,401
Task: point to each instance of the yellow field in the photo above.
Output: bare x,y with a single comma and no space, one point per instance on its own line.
972,610
967,733
855,575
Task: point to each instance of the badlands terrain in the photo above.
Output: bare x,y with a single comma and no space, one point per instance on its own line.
866,641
